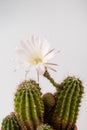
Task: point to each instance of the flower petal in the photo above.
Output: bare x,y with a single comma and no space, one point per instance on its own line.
24,46
44,47
40,68
50,54
34,47
31,47
28,46
35,41
22,54
50,67
22,64
53,64
40,45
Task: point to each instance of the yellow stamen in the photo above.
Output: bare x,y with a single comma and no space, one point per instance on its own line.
36,61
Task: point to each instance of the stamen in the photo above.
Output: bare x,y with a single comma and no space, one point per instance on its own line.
36,61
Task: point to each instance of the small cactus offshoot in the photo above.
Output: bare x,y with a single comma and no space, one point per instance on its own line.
49,103
49,100
10,123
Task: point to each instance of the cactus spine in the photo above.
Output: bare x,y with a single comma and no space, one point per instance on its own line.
68,102
10,123
29,106
44,127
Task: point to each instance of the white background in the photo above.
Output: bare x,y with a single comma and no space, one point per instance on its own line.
63,23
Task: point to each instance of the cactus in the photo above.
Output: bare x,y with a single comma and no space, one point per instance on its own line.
49,103
44,127
68,102
28,104
49,100
10,123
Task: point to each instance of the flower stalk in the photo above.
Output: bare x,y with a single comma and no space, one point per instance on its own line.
47,75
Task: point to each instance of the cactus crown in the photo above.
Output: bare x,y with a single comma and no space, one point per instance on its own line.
10,123
28,85
44,127
68,101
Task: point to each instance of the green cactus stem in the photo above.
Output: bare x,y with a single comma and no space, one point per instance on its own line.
29,107
44,127
68,103
10,123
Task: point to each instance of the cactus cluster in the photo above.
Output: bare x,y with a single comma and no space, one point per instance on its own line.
56,111
51,111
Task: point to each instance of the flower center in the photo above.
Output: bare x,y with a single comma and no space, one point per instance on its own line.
36,60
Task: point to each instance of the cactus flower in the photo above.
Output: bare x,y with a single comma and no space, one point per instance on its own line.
35,54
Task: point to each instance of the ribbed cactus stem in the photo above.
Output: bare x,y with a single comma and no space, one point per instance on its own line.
28,104
10,123
47,75
68,102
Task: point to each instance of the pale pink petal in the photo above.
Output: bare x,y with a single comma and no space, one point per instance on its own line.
44,46
35,41
21,54
24,46
34,48
40,68
28,47
21,64
31,47
50,67
50,54
53,64
40,45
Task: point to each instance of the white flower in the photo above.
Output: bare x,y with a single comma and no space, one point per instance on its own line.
35,54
